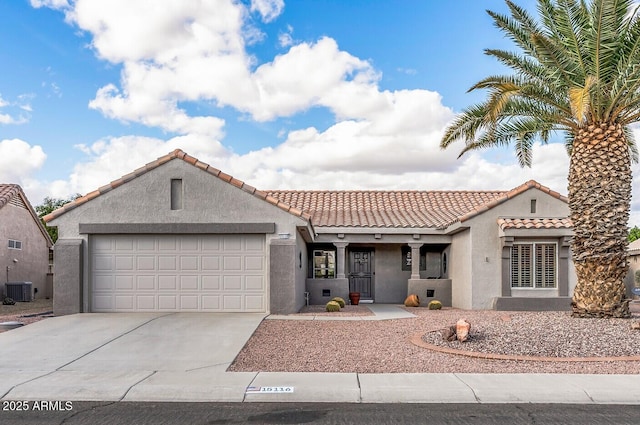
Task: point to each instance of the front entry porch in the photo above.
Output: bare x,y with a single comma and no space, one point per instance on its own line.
384,273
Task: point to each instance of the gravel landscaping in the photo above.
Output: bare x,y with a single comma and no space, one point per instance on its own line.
26,312
385,347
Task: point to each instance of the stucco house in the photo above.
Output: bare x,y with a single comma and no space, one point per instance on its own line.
634,267
180,235
24,244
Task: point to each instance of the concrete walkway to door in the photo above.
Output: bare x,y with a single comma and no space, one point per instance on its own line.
380,312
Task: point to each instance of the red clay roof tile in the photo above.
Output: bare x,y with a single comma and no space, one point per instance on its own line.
371,209
176,154
534,223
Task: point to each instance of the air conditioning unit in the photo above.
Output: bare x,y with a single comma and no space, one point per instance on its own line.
19,291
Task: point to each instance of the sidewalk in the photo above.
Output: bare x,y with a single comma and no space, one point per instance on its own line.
176,358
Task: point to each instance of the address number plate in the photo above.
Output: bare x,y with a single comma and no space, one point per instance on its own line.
269,390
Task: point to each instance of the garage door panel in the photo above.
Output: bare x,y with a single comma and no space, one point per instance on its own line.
255,283
230,263
232,302
210,263
189,302
146,283
254,303
146,302
124,283
103,282
189,283
168,282
103,263
178,273
167,302
232,283
124,302
124,244
103,302
146,263
210,283
166,262
253,263
189,263
124,263
211,303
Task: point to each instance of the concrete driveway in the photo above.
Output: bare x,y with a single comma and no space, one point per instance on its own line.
126,356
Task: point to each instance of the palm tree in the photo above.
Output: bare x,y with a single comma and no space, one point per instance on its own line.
577,72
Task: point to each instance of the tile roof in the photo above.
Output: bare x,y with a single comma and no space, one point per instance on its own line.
177,154
370,209
534,223
8,191
635,247
401,209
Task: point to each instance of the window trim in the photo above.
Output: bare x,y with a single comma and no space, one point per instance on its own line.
534,244
330,272
16,244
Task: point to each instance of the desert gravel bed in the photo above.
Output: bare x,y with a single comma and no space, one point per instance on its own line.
384,347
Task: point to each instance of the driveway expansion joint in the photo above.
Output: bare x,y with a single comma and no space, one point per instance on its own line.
468,386
136,383
111,340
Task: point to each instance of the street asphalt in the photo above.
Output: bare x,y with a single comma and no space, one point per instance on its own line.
183,357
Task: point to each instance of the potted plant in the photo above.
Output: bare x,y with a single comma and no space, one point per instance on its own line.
354,297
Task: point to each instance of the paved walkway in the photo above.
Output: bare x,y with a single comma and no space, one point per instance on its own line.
380,312
184,357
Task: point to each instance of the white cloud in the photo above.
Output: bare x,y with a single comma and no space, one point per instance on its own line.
112,158
18,160
268,9
53,4
23,104
195,51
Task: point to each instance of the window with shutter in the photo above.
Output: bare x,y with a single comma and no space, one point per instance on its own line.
533,265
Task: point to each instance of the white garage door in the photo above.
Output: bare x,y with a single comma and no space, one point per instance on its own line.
217,273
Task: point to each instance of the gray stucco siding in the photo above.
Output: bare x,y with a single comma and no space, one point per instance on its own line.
209,204
32,264
486,250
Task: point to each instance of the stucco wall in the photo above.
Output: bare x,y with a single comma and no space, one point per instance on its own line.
33,259
390,281
147,199
460,253
634,265
486,249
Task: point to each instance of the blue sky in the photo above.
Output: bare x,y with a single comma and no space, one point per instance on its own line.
305,94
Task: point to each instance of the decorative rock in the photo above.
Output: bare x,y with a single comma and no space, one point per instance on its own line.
462,330
449,334
635,326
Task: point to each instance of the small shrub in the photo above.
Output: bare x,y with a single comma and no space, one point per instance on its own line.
435,305
8,301
333,306
339,301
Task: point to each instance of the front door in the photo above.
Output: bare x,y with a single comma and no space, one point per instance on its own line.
361,273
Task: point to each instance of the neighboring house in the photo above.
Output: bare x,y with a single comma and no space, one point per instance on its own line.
634,266
180,235
24,242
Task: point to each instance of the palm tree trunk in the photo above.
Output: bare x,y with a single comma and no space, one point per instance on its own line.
599,200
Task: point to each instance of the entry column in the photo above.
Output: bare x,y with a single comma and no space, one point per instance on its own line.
415,260
341,259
